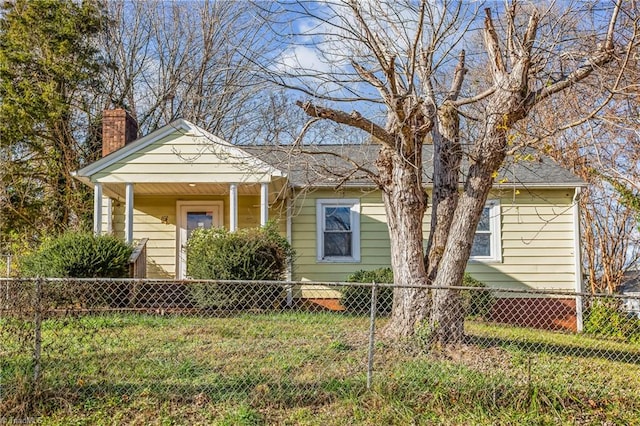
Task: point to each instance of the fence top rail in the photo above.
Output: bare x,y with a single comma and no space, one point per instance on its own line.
284,283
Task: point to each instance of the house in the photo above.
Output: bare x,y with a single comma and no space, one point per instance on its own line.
630,287
178,177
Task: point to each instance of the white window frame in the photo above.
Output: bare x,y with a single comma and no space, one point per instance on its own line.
354,205
182,208
495,231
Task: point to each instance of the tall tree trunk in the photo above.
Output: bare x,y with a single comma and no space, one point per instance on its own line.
405,203
447,317
446,303
505,107
444,199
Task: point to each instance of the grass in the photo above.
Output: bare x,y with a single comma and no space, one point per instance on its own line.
309,368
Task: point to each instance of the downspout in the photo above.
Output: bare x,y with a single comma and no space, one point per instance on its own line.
578,259
289,239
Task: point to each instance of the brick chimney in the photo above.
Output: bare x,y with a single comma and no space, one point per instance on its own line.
118,129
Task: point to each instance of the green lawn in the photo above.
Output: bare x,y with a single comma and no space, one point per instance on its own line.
310,368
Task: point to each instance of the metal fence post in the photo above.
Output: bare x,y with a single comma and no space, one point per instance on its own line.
289,296
372,333
37,325
579,315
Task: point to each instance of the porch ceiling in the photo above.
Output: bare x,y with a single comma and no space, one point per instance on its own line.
117,190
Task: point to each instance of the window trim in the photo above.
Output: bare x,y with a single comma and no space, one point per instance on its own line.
495,232
354,205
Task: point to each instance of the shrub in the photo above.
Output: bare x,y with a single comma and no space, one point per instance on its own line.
358,299
476,303
605,317
380,275
79,255
247,254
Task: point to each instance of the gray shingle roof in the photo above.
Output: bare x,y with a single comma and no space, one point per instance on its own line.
630,282
349,165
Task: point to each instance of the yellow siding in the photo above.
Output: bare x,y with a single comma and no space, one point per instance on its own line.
536,229
106,214
180,158
374,237
537,242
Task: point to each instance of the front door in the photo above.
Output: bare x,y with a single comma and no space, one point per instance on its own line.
193,215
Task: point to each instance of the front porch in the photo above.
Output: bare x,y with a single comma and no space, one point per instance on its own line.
173,180
165,213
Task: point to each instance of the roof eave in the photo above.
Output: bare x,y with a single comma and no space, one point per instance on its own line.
84,179
520,185
538,185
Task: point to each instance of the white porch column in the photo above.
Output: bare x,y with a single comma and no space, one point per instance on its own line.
233,207
128,213
97,209
264,203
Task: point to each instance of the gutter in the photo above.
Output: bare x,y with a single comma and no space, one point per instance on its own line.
83,179
323,185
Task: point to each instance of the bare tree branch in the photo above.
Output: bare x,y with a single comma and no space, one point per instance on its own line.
601,57
458,78
354,120
493,46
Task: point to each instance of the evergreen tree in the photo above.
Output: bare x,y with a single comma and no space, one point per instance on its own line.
48,63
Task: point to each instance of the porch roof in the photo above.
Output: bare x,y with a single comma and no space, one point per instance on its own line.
117,190
178,153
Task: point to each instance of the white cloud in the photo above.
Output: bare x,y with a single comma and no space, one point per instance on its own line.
307,26
301,58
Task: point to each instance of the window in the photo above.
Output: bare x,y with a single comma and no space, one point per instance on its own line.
486,244
338,230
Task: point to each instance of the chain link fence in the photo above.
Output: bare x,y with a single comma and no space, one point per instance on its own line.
120,347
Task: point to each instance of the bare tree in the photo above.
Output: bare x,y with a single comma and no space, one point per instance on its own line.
600,141
185,59
605,153
401,68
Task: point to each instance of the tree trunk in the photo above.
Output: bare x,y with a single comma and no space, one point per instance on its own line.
446,323
405,204
444,199
447,316
446,304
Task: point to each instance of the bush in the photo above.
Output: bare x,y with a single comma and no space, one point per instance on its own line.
380,275
247,254
605,317
476,303
358,299
79,255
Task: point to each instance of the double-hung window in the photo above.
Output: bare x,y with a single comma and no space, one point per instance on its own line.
338,230
486,244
